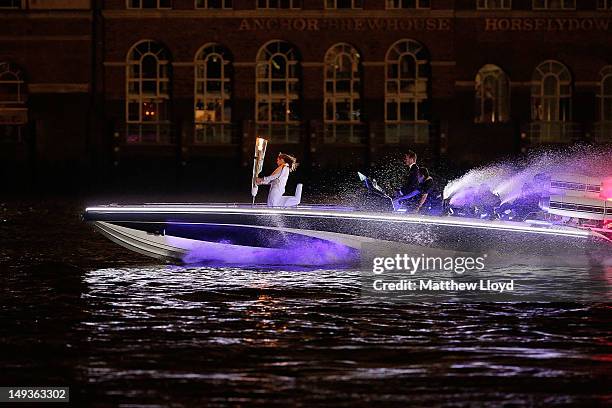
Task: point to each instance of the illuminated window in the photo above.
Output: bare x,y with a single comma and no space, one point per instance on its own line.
279,4
212,108
148,93
492,95
408,4
494,4
554,4
604,4
551,93
13,110
343,4
214,4
10,4
149,4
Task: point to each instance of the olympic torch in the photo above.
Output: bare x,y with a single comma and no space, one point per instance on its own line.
258,159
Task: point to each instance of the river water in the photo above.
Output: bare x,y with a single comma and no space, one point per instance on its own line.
123,330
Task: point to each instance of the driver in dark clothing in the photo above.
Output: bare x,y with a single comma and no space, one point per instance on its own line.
426,186
410,182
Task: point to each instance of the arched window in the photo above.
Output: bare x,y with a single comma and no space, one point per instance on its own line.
147,93
212,102
13,110
551,93
12,86
277,87
342,84
605,95
342,102
407,71
603,129
492,95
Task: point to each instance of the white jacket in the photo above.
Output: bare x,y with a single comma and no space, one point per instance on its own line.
277,181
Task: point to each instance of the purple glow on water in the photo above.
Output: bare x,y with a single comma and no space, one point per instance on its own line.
313,252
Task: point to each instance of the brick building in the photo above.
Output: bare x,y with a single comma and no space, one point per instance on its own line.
176,84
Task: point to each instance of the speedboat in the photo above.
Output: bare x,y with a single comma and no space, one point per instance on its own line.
320,234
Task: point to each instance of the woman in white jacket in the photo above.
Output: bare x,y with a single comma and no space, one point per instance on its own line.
278,179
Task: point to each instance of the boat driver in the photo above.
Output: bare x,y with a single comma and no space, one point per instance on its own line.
426,186
410,182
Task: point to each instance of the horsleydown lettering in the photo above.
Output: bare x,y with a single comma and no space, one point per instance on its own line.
547,24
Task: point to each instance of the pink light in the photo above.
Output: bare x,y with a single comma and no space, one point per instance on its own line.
606,189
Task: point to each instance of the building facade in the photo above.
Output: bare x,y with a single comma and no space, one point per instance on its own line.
128,84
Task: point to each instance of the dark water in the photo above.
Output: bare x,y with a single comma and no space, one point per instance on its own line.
121,330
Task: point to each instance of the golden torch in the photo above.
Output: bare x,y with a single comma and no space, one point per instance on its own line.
258,159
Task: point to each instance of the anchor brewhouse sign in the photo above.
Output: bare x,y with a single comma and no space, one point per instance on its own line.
345,24
422,24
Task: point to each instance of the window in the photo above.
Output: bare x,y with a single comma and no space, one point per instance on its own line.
604,4
149,4
551,93
279,4
407,70
342,102
10,4
12,86
277,83
554,4
603,129
342,84
494,4
408,4
343,4
605,95
147,93
214,4
551,105
13,110
212,102
277,92
492,95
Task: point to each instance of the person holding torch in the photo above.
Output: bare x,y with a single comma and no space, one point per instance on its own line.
278,179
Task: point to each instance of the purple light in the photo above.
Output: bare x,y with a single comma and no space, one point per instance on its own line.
313,252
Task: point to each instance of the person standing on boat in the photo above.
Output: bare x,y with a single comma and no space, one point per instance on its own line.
410,182
426,186
278,179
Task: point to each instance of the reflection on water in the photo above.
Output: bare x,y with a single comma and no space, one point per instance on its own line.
120,329
252,335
